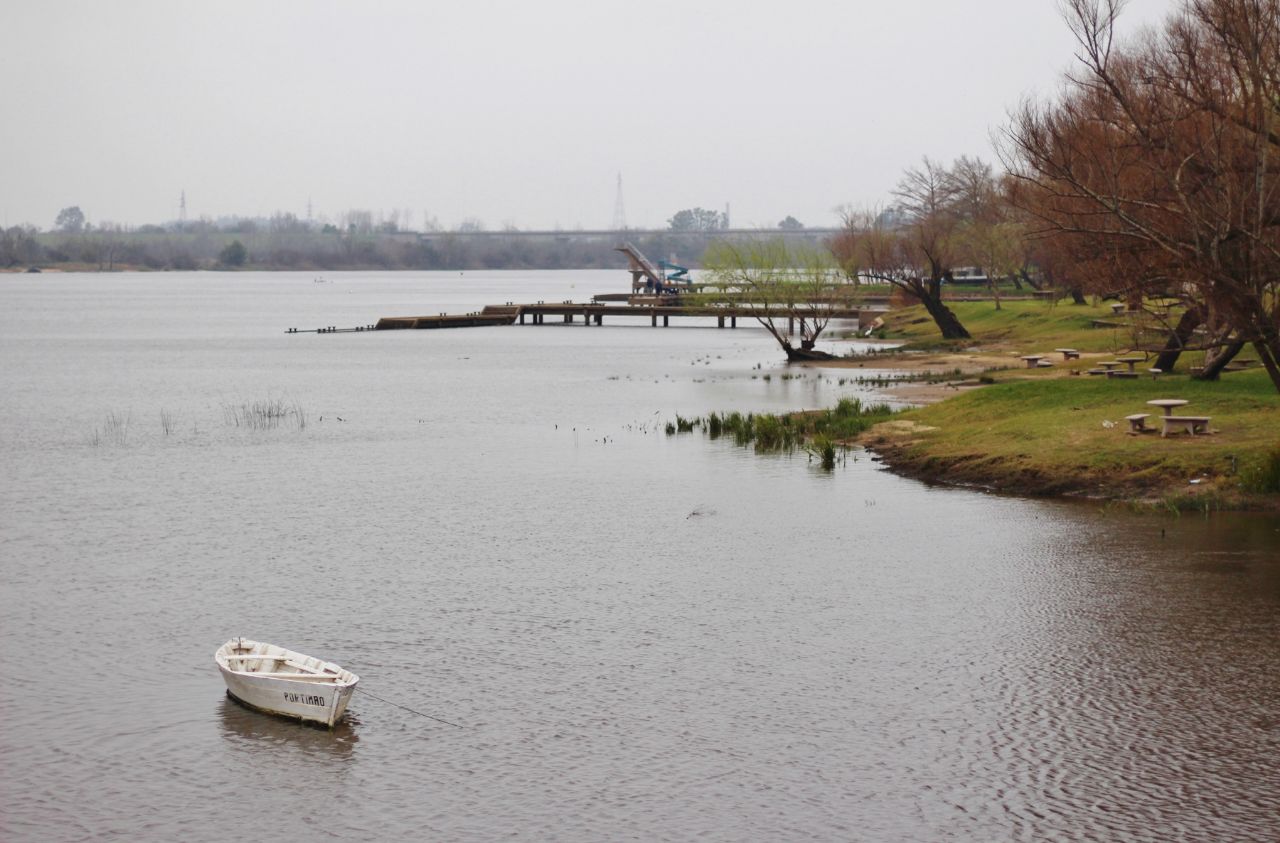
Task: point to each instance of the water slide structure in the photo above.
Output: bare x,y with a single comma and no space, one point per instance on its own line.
663,278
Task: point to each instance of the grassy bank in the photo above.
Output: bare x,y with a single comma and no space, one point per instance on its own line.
1035,325
1046,432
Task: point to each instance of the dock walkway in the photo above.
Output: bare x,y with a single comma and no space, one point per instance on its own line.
594,313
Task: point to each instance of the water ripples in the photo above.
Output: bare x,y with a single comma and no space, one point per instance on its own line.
858,658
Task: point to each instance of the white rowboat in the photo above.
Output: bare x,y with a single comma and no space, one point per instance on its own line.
280,681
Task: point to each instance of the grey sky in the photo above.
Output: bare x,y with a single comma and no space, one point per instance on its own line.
520,112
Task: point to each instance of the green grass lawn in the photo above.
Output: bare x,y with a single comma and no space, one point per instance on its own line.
1030,326
1049,434
1043,430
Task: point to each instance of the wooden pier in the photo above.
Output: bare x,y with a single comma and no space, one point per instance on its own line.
594,313
491,315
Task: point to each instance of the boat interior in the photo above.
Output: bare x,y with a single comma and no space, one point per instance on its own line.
267,660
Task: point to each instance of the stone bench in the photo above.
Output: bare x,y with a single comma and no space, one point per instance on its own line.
1119,373
1138,422
1191,424
1096,372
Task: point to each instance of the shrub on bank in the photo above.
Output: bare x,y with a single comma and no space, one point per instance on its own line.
1264,476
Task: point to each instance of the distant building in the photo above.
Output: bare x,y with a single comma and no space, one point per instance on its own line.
971,275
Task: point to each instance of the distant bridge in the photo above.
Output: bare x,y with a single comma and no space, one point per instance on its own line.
631,233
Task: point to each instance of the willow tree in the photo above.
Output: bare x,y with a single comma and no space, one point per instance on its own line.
1159,167
781,285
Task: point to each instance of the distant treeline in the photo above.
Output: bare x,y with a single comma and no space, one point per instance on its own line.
207,247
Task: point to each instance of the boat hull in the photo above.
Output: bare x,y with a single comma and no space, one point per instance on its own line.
278,681
307,701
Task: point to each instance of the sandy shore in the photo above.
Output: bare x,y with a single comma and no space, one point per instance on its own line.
963,367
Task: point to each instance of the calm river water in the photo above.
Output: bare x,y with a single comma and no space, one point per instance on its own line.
641,637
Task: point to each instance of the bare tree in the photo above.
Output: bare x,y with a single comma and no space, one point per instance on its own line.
916,256
1159,167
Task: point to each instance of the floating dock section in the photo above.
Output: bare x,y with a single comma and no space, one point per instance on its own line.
492,315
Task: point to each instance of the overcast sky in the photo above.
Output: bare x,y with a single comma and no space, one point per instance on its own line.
511,112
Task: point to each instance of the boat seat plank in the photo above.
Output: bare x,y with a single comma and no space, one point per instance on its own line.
301,677
305,667
284,659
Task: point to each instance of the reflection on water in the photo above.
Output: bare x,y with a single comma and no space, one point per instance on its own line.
497,533
247,730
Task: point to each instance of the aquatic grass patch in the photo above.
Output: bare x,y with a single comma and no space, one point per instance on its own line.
823,433
270,413
774,433
1206,503
824,448
113,431
681,425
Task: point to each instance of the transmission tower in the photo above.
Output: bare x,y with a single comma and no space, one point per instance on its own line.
619,211
182,210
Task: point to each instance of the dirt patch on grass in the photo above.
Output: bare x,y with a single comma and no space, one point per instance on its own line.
928,393
968,363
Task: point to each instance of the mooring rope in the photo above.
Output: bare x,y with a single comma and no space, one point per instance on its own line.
410,710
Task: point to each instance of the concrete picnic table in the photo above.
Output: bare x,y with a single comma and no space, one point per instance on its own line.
1168,404
1068,353
1033,360
1108,364
1130,360
1190,424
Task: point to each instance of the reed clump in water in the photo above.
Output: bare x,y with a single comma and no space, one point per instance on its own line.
266,414
823,433
682,425
114,430
825,449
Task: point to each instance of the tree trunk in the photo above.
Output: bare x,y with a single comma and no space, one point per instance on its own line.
1077,296
1213,364
1178,340
1265,330
796,354
945,319
1268,350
